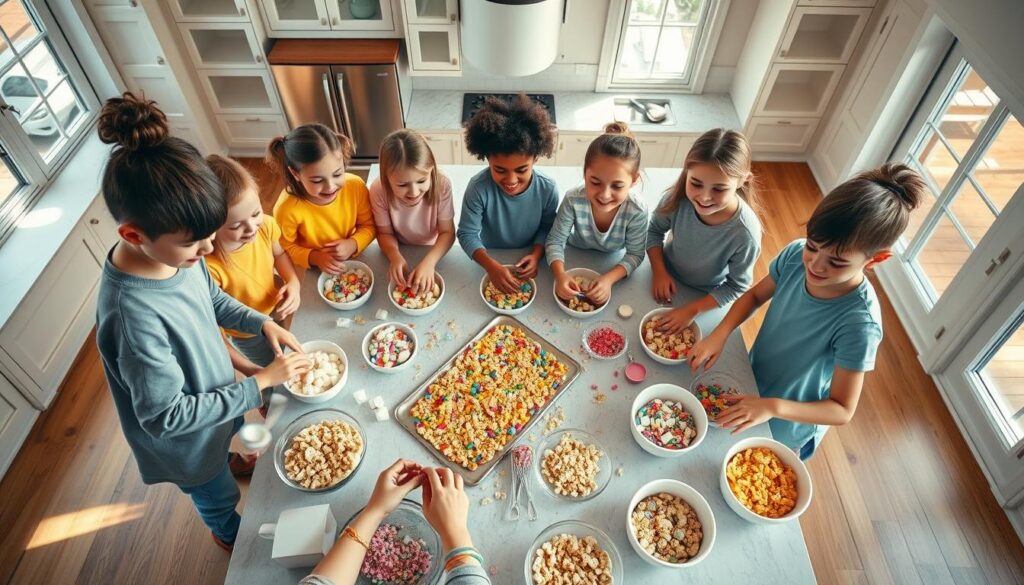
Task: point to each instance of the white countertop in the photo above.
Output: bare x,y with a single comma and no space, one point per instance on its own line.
742,552
584,111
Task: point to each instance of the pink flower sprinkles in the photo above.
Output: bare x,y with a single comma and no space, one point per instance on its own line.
395,561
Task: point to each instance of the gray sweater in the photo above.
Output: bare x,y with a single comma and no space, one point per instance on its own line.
169,372
463,575
717,259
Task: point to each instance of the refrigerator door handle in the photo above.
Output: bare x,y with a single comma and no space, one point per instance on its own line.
344,105
330,102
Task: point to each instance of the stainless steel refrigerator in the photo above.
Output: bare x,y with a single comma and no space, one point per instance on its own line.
364,102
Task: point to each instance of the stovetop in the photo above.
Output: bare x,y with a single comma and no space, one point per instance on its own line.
471,102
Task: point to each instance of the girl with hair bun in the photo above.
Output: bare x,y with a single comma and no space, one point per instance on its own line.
602,214
158,316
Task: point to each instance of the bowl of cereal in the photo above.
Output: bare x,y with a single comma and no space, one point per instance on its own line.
670,524
764,481
325,378
667,420
348,290
663,348
405,301
579,306
404,549
573,548
716,392
508,303
572,466
320,450
389,347
605,340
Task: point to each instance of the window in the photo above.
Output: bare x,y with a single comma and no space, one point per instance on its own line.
46,105
659,43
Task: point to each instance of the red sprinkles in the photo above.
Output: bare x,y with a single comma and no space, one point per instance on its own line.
606,342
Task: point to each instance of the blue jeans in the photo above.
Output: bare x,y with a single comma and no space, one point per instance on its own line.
807,450
255,348
215,501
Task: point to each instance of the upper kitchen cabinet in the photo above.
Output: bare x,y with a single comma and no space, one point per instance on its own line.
330,18
823,35
432,37
209,10
215,45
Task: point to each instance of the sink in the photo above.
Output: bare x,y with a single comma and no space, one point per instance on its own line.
625,112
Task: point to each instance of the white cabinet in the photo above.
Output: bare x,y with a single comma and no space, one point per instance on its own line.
431,11
294,18
209,10
781,134
102,229
433,48
46,331
128,36
446,146
360,15
822,35
16,419
572,148
298,15
657,150
251,132
222,45
795,89
240,91
862,3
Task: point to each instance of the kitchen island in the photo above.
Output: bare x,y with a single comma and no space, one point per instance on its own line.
742,552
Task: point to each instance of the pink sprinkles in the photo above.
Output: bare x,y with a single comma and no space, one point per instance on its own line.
395,561
606,342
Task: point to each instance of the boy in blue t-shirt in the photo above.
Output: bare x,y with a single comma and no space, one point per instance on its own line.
824,324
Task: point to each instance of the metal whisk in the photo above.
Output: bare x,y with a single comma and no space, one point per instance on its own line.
521,458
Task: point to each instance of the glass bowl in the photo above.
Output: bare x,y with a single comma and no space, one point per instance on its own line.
599,325
604,474
580,529
408,518
710,378
284,441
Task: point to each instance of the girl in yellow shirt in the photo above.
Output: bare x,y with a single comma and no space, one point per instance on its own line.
324,212
247,251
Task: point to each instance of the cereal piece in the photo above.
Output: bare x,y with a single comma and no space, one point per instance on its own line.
606,342
667,528
323,454
381,315
762,482
393,560
715,398
343,322
380,414
506,301
325,371
567,558
666,424
486,502
404,297
571,467
389,346
625,311
674,346
359,395
347,286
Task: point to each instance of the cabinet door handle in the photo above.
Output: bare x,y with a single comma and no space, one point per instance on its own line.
259,58
884,24
455,61
241,11
252,119
784,122
997,261
334,21
451,18
133,3
323,21
94,221
160,60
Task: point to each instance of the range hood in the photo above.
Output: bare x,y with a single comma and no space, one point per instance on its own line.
510,37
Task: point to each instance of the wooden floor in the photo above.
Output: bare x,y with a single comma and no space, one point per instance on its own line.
898,497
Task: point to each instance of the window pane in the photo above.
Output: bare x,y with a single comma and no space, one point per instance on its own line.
10,181
972,213
637,52
683,11
1001,170
44,133
18,91
18,26
970,106
674,50
66,105
943,254
645,11
918,215
41,63
1003,376
936,161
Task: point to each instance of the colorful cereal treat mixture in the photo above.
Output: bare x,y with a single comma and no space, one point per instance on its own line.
571,467
507,301
667,528
580,302
672,346
323,454
324,372
762,482
394,560
389,347
404,297
606,342
347,286
666,424
567,558
487,396
715,398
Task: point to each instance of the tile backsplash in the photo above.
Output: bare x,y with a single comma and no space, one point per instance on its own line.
557,77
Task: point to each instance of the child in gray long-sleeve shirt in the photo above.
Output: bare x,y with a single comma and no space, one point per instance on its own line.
158,313
716,235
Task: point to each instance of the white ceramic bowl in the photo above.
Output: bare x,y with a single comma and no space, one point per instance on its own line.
348,265
417,312
364,349
589,275
328,347
803,480
581,530
650,352
676,394
516,311
691,497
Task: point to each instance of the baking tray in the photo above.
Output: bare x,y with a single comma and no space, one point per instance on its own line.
404,418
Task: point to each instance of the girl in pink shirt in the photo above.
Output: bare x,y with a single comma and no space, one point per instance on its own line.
412,205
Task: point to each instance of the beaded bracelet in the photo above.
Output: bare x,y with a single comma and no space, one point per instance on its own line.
461,550
351,533
459,560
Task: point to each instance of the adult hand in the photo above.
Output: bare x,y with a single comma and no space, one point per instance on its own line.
393,484
446,506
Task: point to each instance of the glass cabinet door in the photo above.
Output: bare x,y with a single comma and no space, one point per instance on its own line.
431,11
296,14
360,15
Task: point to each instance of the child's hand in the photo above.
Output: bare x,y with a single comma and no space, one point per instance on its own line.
526,268
663,287
283,368
325,261
565,287
706,351
676,320
343,249
393,484
446,506
745,412
287,300
422,278
503,278
396,271
600,290
278,336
